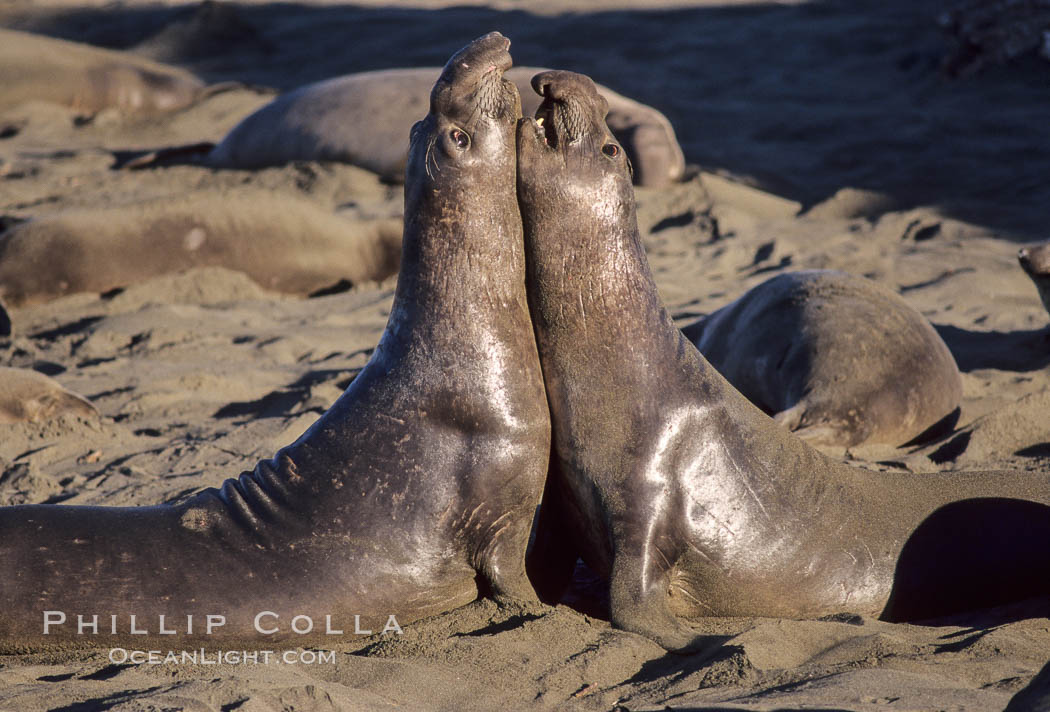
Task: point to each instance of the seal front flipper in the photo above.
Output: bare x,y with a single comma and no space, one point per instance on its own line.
640,597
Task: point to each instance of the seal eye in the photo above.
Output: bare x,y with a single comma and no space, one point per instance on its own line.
611,150
460,138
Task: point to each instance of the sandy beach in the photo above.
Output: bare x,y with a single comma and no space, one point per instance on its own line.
818,134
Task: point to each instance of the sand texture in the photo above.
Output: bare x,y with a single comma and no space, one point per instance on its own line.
819,134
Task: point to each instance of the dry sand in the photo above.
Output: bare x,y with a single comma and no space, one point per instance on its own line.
874,163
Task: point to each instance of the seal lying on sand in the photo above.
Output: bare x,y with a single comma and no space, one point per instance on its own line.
26,395
838,359
284,244
418,486
363,119
87,78
1035,261
674,486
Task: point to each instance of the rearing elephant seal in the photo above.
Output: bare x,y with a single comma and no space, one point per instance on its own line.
837,359
417,486
673,485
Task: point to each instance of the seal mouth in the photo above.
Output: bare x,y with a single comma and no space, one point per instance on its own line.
562,115
546,122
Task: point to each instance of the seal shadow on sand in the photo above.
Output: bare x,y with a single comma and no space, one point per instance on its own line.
1022,350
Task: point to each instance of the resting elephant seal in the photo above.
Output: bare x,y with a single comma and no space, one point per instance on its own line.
674,486
362,119
837,359
285,244
26,395
1035,261
415,490
87,78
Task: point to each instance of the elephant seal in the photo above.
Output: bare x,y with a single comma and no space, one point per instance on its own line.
283,243
414,491
673,486
89,79
1035,261
26,395
362,119
835,358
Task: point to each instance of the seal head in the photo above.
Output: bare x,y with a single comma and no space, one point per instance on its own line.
1035,261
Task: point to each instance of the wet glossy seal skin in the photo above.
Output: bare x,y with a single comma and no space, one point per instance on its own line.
836,358
415,490
1035,261
674,486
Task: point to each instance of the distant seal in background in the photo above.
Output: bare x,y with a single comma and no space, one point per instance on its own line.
1035,261
835,358
414,492
87,78
670,484
26,395
364,118
283,243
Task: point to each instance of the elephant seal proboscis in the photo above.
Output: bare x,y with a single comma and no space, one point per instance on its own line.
1035,261
836,358
362,119
689,499
283,243
416,489
89,79
26,395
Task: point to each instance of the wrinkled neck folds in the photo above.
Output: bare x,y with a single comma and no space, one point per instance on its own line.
585,259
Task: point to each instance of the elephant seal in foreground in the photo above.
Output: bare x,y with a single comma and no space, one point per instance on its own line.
835,358
26,395
285,244
667,481
362,119
87,78
1035,261
413,492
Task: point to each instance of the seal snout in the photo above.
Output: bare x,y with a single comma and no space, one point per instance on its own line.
488,53
571,107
